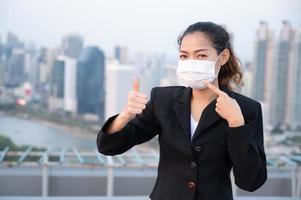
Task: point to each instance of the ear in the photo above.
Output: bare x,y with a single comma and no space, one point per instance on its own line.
225,56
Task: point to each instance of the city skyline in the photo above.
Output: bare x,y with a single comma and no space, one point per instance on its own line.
108,24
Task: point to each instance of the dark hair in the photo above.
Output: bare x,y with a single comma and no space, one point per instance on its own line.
230,75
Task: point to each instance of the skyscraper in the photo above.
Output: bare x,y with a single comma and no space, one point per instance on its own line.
29,65
72,45
121,54
276,76
295,103
57,79
70,103
118,84
14,66
262,63
1,72
90,82
1,48
63,84
45,61
281,90
14,72
1,62
12,41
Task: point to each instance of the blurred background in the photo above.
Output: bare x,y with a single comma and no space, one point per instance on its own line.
67,65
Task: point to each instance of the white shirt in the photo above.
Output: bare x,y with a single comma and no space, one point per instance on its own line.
193,125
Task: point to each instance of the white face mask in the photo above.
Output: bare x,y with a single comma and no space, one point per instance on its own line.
193,72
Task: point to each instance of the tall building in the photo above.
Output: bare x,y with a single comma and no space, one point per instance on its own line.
70,103
45,62
56,97
276,76
295,100
281,90
1,48
63,85
119,79
90,82
72,45
12,41
30,52
14,72
1,72
120,54
1,62
57,79
14,64
262,63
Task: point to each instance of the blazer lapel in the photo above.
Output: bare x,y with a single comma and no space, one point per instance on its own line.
182,109
209,116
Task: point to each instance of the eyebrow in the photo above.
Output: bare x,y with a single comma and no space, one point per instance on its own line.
196,51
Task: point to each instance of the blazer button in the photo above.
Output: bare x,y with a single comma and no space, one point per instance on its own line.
193,165
191,185
198,148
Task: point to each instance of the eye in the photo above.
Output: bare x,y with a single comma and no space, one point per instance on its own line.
200,56
183,56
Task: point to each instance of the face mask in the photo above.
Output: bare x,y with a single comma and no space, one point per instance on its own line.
193,72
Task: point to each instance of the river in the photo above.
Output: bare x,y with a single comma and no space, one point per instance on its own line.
30,132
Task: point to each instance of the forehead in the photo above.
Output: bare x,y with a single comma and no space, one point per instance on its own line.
196,40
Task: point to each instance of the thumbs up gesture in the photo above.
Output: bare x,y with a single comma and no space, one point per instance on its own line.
227,107
136,101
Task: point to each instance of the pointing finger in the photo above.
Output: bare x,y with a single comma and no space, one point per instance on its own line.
214,88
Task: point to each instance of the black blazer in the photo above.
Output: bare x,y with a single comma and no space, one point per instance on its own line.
196,169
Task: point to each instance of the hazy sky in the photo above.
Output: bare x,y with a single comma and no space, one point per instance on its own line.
148,26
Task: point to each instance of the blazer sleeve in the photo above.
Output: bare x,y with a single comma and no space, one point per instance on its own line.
246,150
139,130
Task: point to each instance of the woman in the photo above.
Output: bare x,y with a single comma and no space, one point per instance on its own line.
204,130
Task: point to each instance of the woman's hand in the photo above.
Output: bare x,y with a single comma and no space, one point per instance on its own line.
136,102
227,107
135,105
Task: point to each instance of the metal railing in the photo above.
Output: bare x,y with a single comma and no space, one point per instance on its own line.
131,198
290,166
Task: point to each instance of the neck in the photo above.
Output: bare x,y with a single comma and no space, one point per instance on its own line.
204,94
